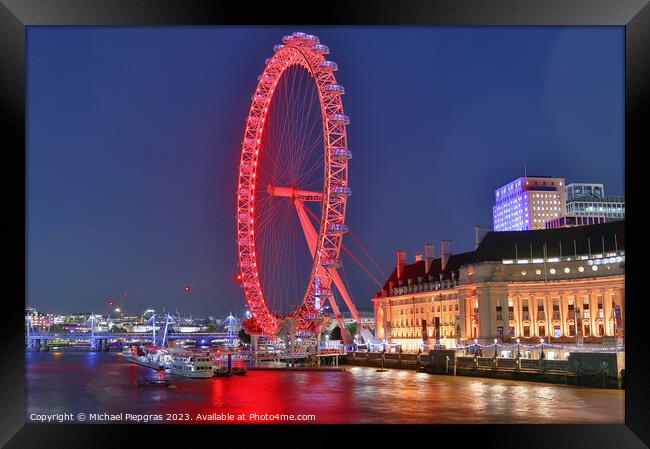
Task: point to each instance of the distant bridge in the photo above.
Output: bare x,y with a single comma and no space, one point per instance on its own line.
100,340
208,336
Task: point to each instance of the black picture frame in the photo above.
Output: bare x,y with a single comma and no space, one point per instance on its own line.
16,15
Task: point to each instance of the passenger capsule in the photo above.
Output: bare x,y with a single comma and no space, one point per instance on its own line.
331,263
342,190
338,228
335,88
340,119
343,153
322,49
260,97
278,47
329,65
322,291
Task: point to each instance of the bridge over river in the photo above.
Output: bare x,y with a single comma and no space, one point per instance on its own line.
100,340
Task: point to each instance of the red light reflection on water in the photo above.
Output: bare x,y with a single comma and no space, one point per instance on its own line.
105,382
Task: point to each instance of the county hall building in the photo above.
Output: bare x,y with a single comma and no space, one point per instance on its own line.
557,284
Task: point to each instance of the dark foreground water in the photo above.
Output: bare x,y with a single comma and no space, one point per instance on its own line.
101,387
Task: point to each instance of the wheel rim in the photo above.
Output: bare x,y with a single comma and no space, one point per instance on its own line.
305,51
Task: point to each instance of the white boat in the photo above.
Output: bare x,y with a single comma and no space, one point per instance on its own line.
150,356
188,363
127,352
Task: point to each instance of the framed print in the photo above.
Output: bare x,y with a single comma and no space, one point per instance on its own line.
230,217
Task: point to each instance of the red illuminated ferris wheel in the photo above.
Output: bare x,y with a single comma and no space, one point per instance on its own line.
293,187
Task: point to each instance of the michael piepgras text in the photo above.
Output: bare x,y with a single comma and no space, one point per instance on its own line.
215,417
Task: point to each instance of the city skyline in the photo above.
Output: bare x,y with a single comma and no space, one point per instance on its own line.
147,146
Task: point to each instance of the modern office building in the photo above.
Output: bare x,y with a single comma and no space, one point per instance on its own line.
584,190
527,203
38,320
584,199
558,284
567,221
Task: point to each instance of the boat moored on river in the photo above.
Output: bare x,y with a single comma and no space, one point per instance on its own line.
189,363
147,355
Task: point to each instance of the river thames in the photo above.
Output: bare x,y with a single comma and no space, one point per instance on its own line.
88,383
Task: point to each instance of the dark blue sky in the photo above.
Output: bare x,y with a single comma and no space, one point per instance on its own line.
134,133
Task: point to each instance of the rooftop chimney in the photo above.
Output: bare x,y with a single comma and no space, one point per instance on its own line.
418,257
401,262
445,252
429,255
479,233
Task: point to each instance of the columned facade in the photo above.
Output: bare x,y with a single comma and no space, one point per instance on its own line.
511,301
513,285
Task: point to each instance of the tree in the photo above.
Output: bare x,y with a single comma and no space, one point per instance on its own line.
212,327
251,326
244,337
118,329
336,334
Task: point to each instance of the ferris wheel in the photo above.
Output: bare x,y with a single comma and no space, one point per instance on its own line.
293,188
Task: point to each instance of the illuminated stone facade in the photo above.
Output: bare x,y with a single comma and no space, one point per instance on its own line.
514,285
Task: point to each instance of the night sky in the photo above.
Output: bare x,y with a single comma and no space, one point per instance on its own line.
134,134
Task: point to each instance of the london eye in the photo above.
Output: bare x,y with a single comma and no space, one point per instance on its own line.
293,189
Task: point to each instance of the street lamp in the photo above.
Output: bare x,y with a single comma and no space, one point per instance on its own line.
518,353
495,348
541,356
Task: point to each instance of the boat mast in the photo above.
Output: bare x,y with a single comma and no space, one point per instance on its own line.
153,328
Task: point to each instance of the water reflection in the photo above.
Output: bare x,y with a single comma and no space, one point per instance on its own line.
104,382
